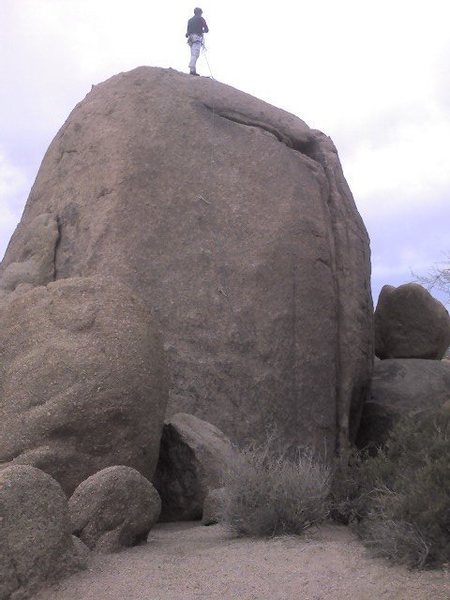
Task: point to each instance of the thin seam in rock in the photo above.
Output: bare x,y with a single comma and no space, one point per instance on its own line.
306,148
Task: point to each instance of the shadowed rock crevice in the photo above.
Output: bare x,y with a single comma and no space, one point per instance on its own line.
57,246
308,148
193,457
176,485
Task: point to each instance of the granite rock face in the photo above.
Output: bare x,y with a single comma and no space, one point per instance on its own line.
83,381
234,222
34,264
193,458
114,509
410,323
36,546
400,388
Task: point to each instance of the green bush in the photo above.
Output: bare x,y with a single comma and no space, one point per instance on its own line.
399,499
268,493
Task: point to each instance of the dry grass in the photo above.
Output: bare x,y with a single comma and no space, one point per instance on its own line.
267,493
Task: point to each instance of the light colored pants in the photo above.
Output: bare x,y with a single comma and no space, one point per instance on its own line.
196,43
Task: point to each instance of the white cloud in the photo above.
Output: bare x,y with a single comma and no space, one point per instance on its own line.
12,183
13,187
412,167
402,267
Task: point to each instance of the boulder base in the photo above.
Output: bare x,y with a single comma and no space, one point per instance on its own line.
402,387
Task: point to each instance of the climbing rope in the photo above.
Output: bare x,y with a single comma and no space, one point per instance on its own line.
213,108
205,54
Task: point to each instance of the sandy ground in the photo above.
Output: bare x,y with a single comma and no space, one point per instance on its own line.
187,561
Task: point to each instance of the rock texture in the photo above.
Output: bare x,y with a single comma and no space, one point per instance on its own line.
402,387
234,221
114,509
83,381
35,260
410,323
36,546
213,506
193,458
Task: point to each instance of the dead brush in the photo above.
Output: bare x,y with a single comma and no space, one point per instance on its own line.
268,492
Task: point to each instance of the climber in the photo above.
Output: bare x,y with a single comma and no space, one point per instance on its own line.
196,27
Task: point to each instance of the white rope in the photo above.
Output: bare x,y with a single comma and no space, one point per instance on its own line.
213,108
205,54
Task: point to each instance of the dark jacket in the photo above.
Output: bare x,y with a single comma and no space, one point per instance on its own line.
197,24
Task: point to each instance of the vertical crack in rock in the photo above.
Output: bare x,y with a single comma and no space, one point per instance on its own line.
326,155
294,326
57,246
334,242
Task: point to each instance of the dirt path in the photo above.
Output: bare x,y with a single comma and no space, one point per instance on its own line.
187,561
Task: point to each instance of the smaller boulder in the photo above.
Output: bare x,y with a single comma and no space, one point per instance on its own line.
410,323
402,387
113,509
36,546
193,458
213,506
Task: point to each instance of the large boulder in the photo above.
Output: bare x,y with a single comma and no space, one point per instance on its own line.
400,388
410,323
193,458
233,220
114,509
83,381
36,546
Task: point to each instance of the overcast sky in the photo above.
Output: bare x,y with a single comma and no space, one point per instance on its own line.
375,76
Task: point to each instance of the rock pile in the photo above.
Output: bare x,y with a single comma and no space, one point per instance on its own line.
412,333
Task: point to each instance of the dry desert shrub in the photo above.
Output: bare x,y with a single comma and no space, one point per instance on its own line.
399,499
399,541
270,493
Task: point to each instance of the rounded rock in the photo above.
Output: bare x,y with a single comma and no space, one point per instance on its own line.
113,509
410,323
83,380
36,546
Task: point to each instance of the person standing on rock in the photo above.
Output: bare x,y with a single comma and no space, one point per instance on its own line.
196,27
